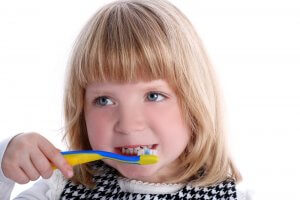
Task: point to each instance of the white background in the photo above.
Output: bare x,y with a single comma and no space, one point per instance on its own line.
254,46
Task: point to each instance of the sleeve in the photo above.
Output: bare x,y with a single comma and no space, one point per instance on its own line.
44,189
6,185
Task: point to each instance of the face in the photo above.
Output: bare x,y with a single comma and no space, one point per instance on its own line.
123,116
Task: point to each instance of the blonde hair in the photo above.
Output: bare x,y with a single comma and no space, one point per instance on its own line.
133,40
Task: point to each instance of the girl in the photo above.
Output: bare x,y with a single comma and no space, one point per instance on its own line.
138,78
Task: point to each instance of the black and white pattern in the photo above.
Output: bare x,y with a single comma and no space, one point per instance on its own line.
108,189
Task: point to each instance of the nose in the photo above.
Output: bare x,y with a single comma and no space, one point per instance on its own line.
131,119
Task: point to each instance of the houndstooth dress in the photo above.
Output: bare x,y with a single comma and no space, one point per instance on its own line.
108,187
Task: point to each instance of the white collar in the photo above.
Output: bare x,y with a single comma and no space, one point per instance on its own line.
134,186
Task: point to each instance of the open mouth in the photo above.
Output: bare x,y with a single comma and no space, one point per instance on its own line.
137,150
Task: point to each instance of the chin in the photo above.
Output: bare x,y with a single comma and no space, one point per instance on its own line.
146,173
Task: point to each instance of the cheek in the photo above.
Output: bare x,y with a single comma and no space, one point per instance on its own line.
98,128
168,123
166,116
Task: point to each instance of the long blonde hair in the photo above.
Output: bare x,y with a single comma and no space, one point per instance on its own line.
133,40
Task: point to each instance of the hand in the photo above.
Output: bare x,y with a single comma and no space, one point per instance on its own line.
29,156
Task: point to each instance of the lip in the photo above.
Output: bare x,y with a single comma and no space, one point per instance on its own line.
132,146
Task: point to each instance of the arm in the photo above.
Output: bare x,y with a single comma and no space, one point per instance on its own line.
6,185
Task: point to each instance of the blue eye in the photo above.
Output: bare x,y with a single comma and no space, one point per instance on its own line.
154,96
103,101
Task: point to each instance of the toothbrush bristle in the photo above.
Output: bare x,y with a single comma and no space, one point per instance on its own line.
147,151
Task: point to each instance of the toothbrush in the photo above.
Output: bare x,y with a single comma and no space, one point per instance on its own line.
84,156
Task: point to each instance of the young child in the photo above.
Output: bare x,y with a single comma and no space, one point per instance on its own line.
138,78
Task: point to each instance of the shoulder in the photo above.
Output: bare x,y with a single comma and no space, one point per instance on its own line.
243,193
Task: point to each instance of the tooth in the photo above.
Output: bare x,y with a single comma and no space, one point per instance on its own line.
154,152
127,151
135,150
130,150
138,148
123,150
141,152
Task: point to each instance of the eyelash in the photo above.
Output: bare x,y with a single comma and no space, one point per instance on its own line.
157,93
95,102
152,92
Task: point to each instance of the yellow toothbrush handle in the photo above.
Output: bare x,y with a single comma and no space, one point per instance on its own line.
76,159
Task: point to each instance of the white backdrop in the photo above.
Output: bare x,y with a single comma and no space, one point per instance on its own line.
254,46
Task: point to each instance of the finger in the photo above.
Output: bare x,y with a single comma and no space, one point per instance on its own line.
42,164
30,170
55,157
17,174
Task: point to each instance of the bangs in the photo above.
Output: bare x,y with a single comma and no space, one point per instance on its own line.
124,43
